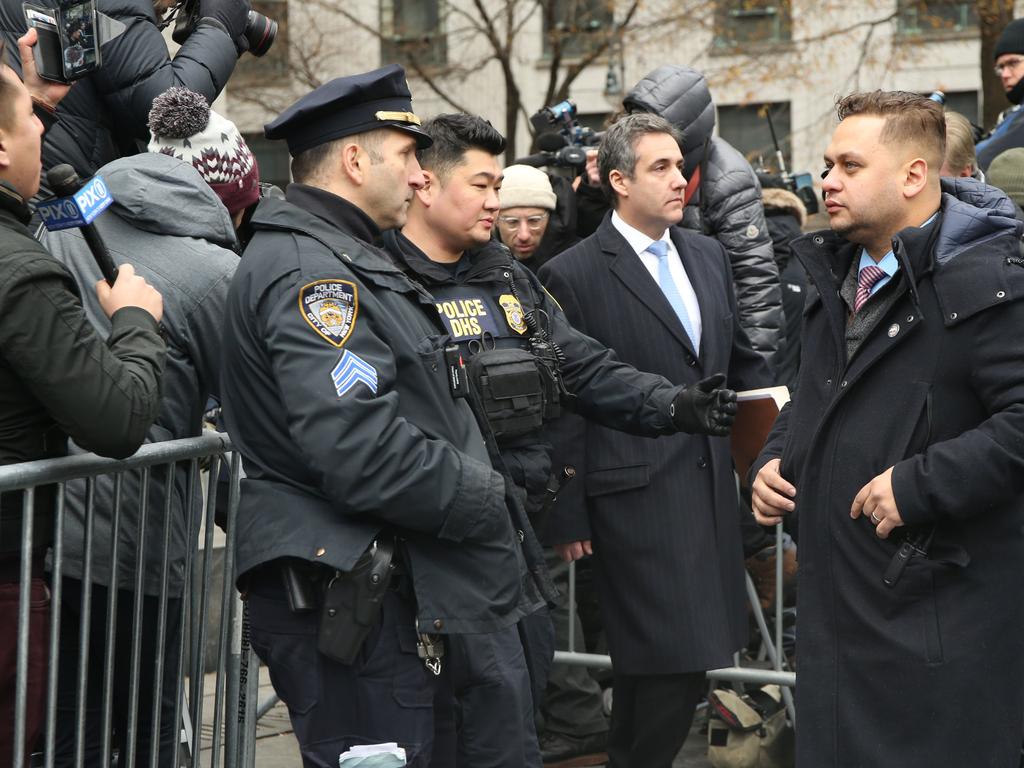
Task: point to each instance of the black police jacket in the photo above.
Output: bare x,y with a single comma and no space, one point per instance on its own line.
57,376
335,391
477,298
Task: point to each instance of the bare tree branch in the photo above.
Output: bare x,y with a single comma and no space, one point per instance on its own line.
432,84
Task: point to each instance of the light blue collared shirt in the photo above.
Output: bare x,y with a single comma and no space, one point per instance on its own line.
888,264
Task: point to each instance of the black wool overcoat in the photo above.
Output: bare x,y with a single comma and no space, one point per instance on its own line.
928,672
662,514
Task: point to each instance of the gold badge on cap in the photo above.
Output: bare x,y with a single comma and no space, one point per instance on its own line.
401,117
513,312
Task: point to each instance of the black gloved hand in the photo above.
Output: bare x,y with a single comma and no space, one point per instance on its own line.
230,14
704,408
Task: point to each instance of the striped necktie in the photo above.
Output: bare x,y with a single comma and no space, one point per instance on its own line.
865,282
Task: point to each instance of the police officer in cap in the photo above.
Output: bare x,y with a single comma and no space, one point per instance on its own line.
525,362
371,520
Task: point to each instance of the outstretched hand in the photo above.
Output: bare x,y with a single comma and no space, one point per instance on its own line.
706,408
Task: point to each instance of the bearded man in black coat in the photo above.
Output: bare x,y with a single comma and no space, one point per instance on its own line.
902,451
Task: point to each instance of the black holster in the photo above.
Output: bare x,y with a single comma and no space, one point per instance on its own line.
352,603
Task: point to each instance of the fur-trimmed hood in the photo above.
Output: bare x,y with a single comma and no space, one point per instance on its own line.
782,200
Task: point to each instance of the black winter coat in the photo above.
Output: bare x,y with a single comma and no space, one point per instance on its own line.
929,672
58,378
600,385
727,205
105,115
336,393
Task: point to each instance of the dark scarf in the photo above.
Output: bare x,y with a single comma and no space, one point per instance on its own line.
1016,94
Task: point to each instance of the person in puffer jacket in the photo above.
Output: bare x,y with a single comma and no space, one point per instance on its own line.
105,114
727,204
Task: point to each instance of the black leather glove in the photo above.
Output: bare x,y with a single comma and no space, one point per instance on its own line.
230,14
705,408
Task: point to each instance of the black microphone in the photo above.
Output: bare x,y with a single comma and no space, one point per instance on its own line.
64,181
550,141
537,161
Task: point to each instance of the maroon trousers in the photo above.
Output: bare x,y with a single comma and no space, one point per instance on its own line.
39,634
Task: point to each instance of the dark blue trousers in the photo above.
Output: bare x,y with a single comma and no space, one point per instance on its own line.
385,695
484,705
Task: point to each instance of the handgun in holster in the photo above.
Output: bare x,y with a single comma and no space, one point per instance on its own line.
352,603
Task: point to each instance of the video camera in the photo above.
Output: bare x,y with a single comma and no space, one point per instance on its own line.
564,147
563,115
260,31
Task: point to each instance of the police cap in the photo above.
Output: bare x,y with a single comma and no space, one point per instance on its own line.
346,106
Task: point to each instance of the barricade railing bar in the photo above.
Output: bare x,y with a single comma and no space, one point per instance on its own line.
138,685
125,542
778,674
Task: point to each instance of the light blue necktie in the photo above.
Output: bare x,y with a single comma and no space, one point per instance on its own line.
668,286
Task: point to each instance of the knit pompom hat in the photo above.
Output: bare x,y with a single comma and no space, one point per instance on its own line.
183,126
526,187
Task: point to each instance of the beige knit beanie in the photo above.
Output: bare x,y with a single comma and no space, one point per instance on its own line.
526,187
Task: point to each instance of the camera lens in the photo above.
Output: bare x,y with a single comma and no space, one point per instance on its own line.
260,32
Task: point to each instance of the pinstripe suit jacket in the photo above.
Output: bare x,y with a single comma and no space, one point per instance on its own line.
662,513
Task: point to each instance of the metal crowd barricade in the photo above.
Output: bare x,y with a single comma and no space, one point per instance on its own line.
778,674
235,674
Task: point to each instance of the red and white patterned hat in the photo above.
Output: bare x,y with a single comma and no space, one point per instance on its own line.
183,126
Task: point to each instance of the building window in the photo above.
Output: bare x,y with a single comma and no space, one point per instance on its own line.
753,22
936,17
579,26
747,129
412,33
272,158
273,64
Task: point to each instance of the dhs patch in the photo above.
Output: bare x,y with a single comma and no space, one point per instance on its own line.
330,307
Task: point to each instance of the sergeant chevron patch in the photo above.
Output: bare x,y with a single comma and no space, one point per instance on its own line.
350,370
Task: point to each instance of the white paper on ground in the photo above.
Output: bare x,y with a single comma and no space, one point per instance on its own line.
388,755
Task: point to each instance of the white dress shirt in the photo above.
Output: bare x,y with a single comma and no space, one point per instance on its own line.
639,242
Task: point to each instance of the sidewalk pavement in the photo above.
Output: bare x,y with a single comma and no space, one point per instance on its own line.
276,746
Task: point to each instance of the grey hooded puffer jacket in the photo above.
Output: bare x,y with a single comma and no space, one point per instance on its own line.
728,204
171,226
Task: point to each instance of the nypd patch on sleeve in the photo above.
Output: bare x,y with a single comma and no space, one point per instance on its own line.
351,370
330,307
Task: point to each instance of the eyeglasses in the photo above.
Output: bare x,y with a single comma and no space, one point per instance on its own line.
533,223
1008,64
